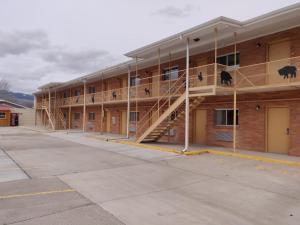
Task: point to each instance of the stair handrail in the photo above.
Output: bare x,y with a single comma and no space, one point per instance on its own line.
165,95
161,106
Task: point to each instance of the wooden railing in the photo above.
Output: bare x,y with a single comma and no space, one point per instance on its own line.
267,74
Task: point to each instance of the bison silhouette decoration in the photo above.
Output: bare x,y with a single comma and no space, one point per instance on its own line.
226,78
288,71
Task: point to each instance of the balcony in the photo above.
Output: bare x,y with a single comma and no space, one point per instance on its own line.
204,80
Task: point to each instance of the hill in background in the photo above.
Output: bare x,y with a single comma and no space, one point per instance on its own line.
17,97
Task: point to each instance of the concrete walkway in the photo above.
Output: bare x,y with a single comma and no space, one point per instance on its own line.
76,179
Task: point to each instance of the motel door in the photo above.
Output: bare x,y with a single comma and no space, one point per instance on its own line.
200,126
155,84
278,130
124,123
278,52
108,122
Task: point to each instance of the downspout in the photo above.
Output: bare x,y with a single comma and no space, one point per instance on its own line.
187,104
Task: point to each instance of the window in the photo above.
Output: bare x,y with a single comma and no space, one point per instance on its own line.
65,94
134,116
77,92
171,74
77,116
2,115
228,60
92,89
91,116
224,117
65,115
134,81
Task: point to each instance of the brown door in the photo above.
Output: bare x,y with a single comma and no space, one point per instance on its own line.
279,54
200,126
155,84
124,123
108,122
278,130
124,88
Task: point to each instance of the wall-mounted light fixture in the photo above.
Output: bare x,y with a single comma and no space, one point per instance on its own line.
258,45
196,39
257,107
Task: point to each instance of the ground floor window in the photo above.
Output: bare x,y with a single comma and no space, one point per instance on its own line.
2,115
134,116
92,116
224,117
77,116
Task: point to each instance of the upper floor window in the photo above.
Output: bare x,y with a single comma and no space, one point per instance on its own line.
92,89
228,59
224,117
77,93
134,81
65,94
171,73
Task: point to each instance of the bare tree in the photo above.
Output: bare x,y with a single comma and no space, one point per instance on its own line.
4,85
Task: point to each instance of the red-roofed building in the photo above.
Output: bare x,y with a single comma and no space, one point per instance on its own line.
5,115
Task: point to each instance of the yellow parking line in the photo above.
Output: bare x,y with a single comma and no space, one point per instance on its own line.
210,151
36,194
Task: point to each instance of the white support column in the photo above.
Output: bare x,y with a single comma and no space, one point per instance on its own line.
234,96
49,103
128,102
187,104
84,107
216,56
102,104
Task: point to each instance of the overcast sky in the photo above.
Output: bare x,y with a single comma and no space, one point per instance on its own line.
57,40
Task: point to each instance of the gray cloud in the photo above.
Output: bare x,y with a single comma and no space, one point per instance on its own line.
28,60
22,42
175,12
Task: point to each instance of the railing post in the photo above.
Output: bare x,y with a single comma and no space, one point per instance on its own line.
216,56
128,103
187,105
84,106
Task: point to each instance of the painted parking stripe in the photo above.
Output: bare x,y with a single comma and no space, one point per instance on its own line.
36,194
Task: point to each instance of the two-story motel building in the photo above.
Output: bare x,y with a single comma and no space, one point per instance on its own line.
173,90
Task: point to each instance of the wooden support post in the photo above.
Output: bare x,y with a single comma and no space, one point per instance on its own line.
216,56
55,109
102,104
84,107
128,103
136,97
158,73
187,103
70,114
49,110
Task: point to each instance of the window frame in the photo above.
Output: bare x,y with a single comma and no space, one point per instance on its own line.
135,118
226,117
136,79
77,113
3,118
94,116
167,73
92,89
227,56
76,93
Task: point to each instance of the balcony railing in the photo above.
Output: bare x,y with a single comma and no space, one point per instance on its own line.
280,73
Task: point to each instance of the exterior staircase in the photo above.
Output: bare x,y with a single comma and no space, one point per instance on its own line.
170,118
56,119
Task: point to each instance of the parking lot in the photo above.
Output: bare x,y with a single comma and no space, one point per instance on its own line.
59,178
